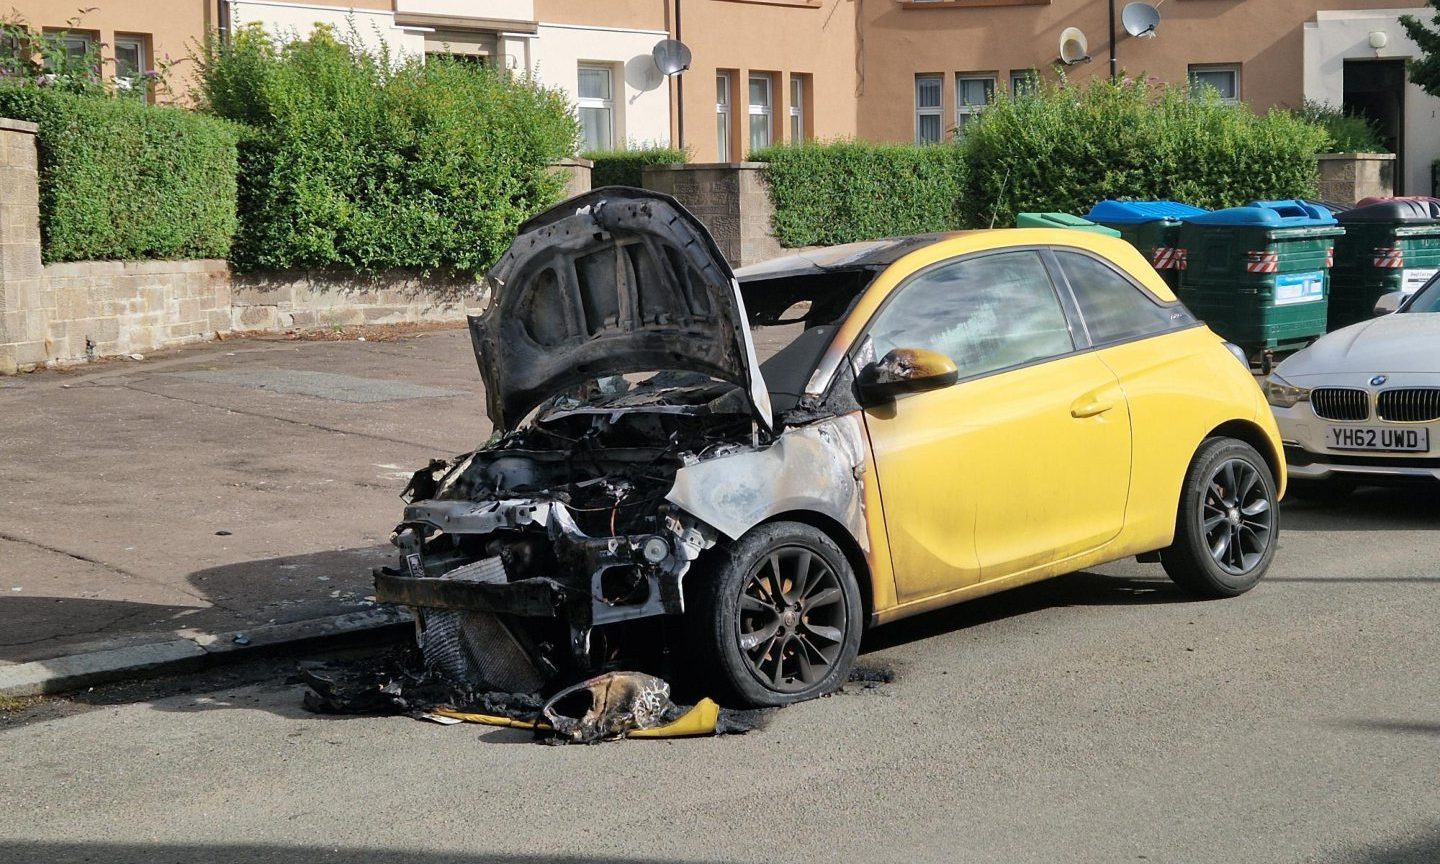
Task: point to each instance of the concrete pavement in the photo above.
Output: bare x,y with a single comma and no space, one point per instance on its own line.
216,489
1102,717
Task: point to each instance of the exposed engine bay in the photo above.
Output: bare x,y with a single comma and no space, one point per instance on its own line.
569,515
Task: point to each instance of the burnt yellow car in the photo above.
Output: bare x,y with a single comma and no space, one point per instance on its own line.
942,417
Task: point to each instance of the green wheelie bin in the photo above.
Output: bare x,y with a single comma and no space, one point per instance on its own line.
1153,227
1061,220
1390,244
1259,274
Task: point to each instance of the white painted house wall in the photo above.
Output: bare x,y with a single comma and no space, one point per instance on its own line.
641,93
296,21
1335,36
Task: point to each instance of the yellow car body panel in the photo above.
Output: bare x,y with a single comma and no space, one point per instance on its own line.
1042,470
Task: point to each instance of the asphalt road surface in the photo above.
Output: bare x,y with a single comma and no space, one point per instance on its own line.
1100,717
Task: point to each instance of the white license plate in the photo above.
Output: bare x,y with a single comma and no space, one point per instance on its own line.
1370,438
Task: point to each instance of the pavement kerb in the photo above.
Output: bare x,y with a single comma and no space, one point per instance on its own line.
103,665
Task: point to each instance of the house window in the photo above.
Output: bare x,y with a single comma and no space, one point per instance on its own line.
130,65
797,109
927,109
597,108
722,116
1224,80
761,130
1023,82
74,47
972,93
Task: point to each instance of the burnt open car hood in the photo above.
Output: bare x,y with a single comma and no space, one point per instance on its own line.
614,281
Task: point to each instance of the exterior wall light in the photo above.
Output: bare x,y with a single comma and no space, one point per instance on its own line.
1378,39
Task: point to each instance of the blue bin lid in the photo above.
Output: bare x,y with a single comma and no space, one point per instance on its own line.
1140,212
1269,214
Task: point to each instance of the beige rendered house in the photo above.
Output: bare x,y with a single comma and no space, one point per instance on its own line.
780,71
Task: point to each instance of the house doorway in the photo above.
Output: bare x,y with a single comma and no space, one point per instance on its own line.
1375,90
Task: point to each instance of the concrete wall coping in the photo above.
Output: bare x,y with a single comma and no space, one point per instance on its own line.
573,162
1373,157
706,165
18,125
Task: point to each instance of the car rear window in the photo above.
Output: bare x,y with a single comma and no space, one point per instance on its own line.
1114,308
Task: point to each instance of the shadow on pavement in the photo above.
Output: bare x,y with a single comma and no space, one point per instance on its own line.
247,853
1403,508
1076,589
241,596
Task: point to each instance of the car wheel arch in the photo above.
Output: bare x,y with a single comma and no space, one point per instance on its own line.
1254,435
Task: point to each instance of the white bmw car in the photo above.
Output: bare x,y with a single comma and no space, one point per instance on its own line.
1362,405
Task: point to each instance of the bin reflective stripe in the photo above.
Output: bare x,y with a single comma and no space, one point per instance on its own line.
1168,258
1389,257
1330,257
1262,262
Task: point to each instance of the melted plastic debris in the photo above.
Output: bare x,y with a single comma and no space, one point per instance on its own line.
604,708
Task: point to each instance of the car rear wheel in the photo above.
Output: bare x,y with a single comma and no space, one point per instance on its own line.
1228,522
777,616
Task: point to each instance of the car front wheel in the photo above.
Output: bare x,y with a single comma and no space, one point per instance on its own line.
777,616
1228,522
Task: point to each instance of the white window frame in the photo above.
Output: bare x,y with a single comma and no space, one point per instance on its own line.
724,87
963,111
766,111
130,83
937,110
596,103
797,109
1233,69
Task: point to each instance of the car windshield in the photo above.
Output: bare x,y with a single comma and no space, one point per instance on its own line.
1428,300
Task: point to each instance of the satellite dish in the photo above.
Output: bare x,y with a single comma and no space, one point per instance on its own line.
1140,19
671,56
1073,48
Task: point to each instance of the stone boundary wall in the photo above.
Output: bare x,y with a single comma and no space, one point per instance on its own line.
1348,177
731,199
301,300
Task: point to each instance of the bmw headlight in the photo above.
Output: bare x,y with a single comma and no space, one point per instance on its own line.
1283,394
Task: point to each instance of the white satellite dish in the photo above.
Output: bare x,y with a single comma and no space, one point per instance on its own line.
1073,47
671,56
1140,19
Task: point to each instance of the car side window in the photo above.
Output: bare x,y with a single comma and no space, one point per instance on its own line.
1113,307
984,313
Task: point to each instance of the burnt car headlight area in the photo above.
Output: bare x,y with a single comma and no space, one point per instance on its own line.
552,551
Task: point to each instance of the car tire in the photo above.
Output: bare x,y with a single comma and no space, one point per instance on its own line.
763,637
1228,522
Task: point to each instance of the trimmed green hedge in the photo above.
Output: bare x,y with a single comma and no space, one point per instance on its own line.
353,160
1063,149
120,179
623,167
840,192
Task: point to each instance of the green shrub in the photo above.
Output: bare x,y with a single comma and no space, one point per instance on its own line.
1063,149
623,167
1349,133
121,179
355,160
844,191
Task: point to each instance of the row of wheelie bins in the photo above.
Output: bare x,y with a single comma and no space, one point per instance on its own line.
1275,275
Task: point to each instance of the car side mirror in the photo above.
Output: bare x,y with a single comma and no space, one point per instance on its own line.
905,370
1388,303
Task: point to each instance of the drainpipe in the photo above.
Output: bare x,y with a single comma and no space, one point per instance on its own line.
680,85
1114,62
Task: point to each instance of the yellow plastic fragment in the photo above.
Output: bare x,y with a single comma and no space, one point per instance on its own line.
492,719
699,720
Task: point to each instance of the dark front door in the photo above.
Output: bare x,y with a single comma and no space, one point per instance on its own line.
1375,90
